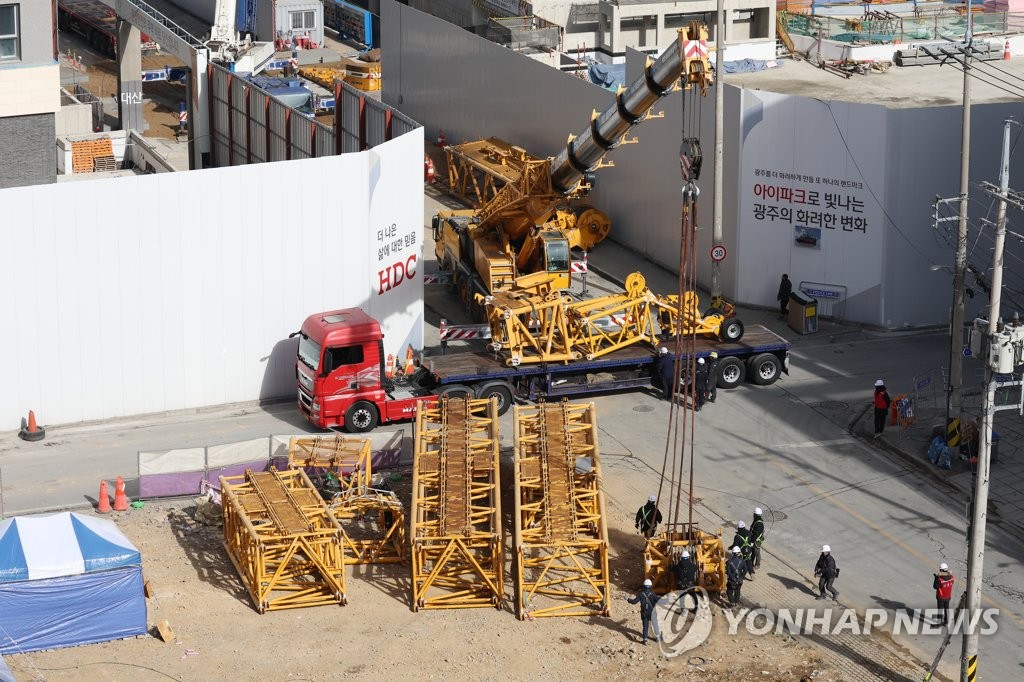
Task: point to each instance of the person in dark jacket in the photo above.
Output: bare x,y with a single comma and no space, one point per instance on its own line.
882,402
700,385
666,373
712,376
648,517
735,574
742,540
826,572
686,572
757,537
943,586
648,599
785,289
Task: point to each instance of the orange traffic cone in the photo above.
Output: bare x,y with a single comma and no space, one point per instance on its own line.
120,499
103,507
389,366
31,431
1006,50
410,366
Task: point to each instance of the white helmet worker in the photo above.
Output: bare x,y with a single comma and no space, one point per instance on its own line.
648,583
943,567
652,498
700,361
879,382
663,350
714,355
757,511
741,524
686,555
736,550
825,549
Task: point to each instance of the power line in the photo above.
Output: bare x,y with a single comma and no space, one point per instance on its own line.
867,184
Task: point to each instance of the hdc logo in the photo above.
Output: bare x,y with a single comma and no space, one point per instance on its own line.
393,275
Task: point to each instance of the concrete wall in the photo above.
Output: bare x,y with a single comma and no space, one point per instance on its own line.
26,145
178,290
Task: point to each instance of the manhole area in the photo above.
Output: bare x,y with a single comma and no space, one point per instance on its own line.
775,516
834,405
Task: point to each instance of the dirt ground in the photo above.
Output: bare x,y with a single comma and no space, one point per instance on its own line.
219,635
162,99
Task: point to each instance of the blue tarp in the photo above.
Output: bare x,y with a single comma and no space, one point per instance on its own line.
67,579
748,65
607,75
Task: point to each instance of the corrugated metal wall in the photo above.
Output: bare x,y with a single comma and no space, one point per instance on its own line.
249,126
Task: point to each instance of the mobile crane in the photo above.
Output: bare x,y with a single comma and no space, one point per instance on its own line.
520,231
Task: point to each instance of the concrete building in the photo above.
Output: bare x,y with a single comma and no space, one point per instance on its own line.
29,92
604,30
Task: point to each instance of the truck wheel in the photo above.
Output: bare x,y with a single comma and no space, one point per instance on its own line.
731,372
455,391
499,390
361,417
764,369
731,330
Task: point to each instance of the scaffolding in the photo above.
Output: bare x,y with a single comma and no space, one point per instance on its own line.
457,543
561,541
285,543
371,514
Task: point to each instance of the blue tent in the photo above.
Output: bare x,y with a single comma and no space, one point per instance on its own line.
67,579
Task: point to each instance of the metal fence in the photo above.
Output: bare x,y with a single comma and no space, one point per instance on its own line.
247,125
885,27
177,472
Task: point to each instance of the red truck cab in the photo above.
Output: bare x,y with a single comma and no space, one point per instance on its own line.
341,376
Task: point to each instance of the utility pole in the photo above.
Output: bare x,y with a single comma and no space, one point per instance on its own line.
954,400
716,227
979,512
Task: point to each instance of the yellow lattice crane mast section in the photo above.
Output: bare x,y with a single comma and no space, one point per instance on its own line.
561,540
285,543
556,328
457,540
373,517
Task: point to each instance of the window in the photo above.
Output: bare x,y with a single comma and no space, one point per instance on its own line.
303,21
10,44
341,356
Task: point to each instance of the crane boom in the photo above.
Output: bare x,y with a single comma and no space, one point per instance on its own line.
687,57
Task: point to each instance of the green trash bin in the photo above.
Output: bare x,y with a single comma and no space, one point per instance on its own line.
803,313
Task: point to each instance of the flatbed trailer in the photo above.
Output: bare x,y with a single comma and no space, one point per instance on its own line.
342,374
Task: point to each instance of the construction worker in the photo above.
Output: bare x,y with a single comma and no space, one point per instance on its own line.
667,373
700,385
742,540
757,536
648,599
826,572
712,376
735,573
943,586
648,517
882,401
686,572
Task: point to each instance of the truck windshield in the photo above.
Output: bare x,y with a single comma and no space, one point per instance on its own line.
557,251
309,352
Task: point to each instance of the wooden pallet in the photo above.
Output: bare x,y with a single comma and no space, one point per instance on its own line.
102,164
84,152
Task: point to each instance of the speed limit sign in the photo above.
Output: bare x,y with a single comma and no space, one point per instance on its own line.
718,253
